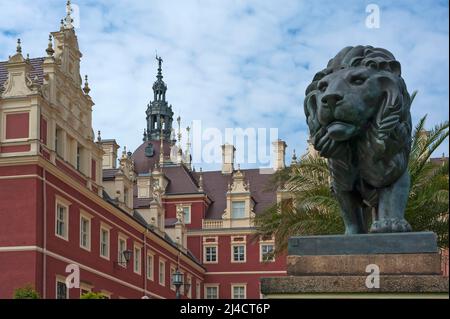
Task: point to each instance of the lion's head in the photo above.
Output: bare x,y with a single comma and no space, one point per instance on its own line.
357,85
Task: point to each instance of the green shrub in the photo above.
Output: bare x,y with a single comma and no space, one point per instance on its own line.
93,295
27,292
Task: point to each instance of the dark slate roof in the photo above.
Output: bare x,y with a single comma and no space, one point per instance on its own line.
181,181
36,65
108,174
138,217
215,185
142,163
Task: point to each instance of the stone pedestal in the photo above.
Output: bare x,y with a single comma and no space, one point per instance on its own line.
338,267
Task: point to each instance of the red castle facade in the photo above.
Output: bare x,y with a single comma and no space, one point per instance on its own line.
126,221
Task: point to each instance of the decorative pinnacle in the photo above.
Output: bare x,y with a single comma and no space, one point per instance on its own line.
86,88
68,19
145,135
179,131
99,136
50,50
19,47
160,61
294,157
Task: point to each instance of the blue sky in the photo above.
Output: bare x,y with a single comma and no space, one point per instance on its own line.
232,63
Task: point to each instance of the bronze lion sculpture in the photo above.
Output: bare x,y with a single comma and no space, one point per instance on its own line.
358,113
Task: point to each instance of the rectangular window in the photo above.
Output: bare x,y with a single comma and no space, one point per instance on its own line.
187,214
61,289
85,232
238,292
137,260
238,253
62,220
104,242
238,209
149,267
162,273
212,292
79,151
267,252
122,246
210,254
125,196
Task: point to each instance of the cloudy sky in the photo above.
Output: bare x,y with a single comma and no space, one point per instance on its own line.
232,63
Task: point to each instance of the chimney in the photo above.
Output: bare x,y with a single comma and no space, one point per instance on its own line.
110,148
228,158
279,152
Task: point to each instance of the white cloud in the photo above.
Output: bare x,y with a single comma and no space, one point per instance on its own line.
231,63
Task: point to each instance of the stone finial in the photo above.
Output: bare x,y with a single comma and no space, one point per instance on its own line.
294,158
145,135
99,136
200,180
86,88
68,21
19,46
49,49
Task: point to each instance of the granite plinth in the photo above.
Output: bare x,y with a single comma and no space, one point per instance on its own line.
364,244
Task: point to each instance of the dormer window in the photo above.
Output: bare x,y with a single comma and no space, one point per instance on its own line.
238,209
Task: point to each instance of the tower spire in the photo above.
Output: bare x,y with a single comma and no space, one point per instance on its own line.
159,112
159,76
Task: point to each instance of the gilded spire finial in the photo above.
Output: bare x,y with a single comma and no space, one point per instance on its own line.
19,46
50,50
86,88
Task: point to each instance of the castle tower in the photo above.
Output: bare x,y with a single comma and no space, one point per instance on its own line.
159,112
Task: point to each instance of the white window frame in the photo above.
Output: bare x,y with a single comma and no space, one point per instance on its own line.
238,286
150,266
85,287
59,201
186,220
261,254
62,280
120,257
137,270
88,218
106,228
206,286
245,253
216,246
244,209
162,272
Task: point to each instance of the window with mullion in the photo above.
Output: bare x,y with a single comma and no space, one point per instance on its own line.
238,253
238,209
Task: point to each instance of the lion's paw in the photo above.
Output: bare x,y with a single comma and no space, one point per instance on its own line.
390,225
